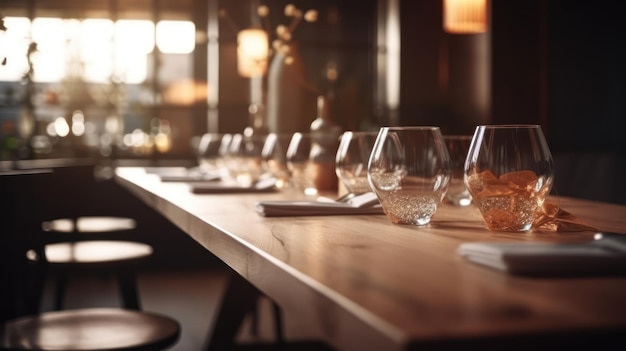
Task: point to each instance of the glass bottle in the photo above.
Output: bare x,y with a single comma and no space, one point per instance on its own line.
325,135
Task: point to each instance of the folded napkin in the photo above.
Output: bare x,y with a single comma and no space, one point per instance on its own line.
175,170
183,174
264,186
360,204
605,255
191,177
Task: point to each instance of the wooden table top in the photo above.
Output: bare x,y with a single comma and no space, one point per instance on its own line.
364,283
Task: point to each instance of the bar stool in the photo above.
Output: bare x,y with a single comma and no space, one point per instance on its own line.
91,225
21,327
78,244
90,329
95,256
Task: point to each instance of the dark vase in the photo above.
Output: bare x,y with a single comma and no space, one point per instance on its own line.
290,98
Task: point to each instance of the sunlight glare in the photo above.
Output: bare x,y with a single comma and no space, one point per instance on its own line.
50,61
134,41
176,37
13,47
96,49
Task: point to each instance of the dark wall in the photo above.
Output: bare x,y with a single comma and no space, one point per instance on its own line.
561,64
587,77
422,97
556,63
587,98
519,62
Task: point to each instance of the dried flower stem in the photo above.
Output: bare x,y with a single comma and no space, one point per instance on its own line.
294,23
229,20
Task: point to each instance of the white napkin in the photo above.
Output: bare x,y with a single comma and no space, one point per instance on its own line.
183,174
605,255
361,204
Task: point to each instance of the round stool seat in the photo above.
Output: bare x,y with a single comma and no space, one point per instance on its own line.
90,330
94,251
88,224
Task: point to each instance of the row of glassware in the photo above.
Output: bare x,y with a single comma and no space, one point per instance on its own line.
506,170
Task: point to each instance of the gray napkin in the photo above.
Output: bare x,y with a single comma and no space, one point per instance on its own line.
605,255
191,178
267,185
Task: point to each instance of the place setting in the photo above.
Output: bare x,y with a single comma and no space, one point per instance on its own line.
350,168
505,171
509,173
407,173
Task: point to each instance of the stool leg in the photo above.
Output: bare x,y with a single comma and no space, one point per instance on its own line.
36,289
59,294
128,288
240,298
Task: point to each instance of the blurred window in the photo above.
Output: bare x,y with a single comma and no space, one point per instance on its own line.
176,37
94,49
13,46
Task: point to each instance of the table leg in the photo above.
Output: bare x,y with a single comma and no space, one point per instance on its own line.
240,298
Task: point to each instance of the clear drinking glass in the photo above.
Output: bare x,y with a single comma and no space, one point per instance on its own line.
299,163
409,170
458,147
275,158
211,152
509,172
244,158
352,158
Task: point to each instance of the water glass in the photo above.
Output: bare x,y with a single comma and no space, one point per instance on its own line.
300,164
409,170
212,149
244,158
458,147
274,155
352,158
509,172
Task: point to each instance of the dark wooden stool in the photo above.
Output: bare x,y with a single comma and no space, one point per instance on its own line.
110,257
90,330
77,244
91,225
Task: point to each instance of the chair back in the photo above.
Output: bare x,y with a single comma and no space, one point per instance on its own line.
20,192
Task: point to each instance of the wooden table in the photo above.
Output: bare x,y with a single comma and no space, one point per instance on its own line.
363,283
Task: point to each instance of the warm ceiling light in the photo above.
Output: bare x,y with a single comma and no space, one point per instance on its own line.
465,16
252,51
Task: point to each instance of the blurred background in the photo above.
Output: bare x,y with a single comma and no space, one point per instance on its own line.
139,80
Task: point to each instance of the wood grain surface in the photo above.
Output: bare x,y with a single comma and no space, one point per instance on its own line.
364,283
